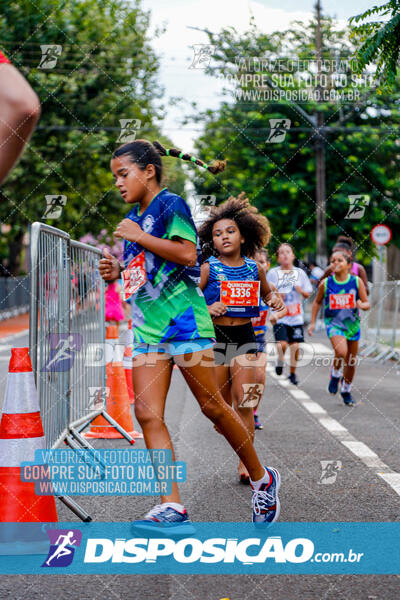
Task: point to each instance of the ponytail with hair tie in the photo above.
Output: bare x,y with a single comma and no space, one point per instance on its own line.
216,167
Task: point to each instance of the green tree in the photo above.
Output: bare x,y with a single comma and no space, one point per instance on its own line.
279,178
379,40
106,71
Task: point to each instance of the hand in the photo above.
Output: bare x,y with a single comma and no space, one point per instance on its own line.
298,289
310,329
275,301
109,267
272,318
128,230
362,305
217,309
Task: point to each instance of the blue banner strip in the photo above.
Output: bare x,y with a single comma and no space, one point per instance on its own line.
213,548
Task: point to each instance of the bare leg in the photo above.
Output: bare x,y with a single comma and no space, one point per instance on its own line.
243,374
339,345
202,381
350,363
19,112
151,376
281,349
294,348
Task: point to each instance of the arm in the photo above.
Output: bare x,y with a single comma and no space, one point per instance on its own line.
204,275
362,302
178,250
316,307
305,287
20,110
217,309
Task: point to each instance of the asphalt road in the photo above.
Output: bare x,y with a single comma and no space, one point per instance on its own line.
301,430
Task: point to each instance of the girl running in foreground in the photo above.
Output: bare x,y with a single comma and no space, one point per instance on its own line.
294,284
232,284
342,294
171,323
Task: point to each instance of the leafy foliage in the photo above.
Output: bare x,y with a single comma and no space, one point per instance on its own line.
107,71
361,143
380,41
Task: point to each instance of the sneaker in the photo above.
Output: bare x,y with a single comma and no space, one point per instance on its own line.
278,370
348,399
165,519
293,379
333,385
265,501
257,423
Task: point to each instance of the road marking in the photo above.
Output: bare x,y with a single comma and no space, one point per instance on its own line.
393,479
358,449
8,338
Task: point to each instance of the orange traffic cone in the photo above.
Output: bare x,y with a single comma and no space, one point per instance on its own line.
118,405
128,362
21,433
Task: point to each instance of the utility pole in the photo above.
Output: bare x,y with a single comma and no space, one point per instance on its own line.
316,121
320,190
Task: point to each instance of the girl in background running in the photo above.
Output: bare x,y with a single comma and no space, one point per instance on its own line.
232,284
295,286
260,331
342,295
346,244
171,323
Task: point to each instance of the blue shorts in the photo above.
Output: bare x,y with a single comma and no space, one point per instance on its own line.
174,347
331,331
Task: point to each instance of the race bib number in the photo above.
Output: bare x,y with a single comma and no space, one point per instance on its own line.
293,309
134,276
339,301
260,321
240,293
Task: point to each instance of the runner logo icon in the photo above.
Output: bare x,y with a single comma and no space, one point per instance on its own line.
62,547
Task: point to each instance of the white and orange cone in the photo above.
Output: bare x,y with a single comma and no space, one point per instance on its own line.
118,405
21,433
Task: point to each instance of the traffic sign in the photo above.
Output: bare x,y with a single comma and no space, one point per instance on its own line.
381,234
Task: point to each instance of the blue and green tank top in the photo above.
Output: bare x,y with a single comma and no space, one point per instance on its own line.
340,309
169,306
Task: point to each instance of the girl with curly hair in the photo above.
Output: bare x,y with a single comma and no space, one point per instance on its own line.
232,284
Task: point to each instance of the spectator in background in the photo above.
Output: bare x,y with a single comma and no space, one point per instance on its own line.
114,304
19,113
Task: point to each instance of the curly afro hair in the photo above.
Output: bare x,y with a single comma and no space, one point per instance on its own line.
253,226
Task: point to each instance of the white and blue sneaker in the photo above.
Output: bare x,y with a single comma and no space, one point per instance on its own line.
166,520
333,384
265,501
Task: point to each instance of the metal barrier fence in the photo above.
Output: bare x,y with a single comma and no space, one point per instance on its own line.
66,315
380,326
66,339
14,296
